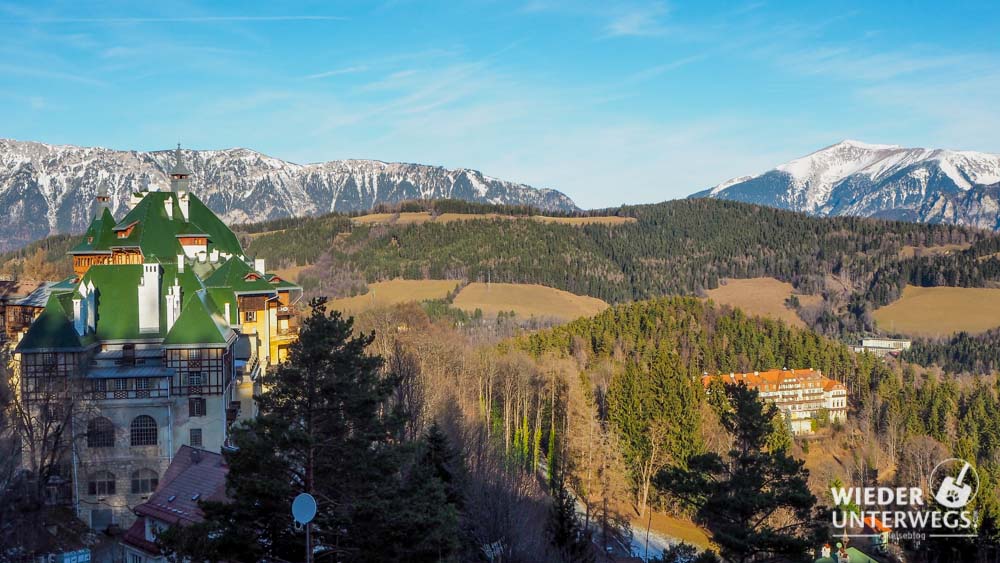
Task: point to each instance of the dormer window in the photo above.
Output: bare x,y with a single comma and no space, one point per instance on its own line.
90,240
252,276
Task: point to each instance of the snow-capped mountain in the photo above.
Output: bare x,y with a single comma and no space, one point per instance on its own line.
49,189
887,181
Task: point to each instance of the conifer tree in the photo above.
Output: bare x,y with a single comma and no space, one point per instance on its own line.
740,498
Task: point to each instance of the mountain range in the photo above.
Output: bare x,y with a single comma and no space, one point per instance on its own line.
883,181
49,189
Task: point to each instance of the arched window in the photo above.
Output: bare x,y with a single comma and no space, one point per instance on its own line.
144,481
101,483
143,431
100,433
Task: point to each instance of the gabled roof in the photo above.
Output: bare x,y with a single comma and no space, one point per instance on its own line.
234,275
99,236
193,475
117,287
52,330
199,323
155,232
37,298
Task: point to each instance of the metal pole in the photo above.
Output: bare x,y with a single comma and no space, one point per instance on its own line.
309,549
648,522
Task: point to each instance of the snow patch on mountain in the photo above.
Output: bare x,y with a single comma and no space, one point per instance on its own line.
49,189
856,178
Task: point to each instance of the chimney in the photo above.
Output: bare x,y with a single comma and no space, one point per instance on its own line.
228,318
173,304
258,264
169,208
183,202
180,263
149,298
91,305
78,321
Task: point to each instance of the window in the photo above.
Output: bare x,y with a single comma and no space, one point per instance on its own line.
100,433
251,316
121,384
143,431
134,558
144,481
195,437
101,483
194,378
196,407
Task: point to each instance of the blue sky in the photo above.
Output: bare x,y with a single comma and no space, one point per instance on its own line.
610,102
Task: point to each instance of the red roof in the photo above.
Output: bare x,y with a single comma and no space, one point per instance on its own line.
136,537
876,524
194,475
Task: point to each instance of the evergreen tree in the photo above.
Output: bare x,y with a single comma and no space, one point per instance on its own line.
564,528
326,428
738,498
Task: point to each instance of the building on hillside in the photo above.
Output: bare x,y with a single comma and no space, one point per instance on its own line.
194,475
801,395
157,341
20,303
883,346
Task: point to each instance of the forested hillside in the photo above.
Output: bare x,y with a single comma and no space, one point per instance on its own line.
639,365
677,247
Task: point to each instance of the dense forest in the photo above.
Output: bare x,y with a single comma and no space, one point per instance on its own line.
677,247
640,365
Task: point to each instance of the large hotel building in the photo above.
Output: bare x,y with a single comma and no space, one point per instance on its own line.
156,342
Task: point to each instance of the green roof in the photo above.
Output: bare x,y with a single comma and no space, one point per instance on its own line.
282,283
53,329
155,232
118,297
99,236
199,323
207,287
233,275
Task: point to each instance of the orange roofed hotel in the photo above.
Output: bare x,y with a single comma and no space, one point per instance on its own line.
801,395
156,342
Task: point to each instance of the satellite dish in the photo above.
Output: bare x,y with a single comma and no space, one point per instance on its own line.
304,508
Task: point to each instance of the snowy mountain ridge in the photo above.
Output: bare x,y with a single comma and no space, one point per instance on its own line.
49,189
875,180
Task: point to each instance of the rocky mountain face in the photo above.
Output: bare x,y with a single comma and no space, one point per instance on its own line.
48,189
887,181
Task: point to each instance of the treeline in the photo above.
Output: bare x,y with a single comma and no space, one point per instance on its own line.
961,353
439,206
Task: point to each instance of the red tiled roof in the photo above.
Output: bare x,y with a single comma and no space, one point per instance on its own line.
136,537
771,377
194,475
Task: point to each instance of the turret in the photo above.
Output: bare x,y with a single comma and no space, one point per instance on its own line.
103,200
179,173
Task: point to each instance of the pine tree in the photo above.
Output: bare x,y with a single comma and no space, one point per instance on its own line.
736,497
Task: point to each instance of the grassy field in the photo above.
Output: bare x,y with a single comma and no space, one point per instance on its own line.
527,300
425,217
393,292
761,296
940,311
911,251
